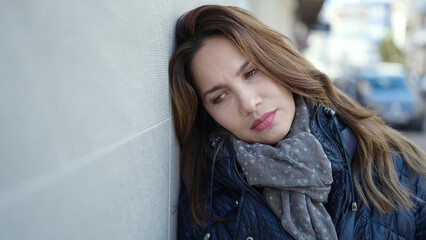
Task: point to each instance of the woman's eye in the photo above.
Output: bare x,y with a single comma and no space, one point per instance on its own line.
250,73
219,98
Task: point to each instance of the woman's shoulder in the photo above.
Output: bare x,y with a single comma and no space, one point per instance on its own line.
408,177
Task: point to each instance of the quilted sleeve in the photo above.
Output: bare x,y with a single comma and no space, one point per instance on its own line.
420,216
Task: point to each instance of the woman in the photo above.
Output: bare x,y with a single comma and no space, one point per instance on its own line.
270,149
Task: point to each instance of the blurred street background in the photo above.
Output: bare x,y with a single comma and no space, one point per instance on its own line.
87,143
374,50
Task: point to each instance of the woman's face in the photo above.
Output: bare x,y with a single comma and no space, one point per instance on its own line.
250,105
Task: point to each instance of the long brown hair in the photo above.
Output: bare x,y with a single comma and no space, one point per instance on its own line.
274,55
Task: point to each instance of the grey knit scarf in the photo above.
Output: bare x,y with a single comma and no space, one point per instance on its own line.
296,176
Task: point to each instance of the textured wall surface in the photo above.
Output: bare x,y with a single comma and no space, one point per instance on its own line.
87,147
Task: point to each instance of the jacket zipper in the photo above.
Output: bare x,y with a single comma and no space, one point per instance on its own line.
341,155
326,135
251,189
353,204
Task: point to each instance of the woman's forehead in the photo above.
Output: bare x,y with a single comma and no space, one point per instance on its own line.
218,52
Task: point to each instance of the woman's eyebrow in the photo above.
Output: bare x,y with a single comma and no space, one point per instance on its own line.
218,87
212,90
242,68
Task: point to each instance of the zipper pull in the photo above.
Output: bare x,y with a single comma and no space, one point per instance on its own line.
330,111
207,236
354,207
215,141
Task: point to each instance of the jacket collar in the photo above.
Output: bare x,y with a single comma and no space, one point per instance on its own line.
226,170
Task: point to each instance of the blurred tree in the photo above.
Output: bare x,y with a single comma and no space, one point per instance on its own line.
389,52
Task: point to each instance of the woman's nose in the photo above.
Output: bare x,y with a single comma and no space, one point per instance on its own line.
249,102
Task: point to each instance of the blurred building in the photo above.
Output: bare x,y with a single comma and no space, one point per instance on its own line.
416,37
363,32
293,18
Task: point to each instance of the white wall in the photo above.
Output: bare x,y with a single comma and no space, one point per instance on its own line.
87,147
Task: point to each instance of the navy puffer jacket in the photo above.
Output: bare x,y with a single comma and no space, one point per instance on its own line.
249,216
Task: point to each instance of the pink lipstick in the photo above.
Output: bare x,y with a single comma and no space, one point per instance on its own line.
264,121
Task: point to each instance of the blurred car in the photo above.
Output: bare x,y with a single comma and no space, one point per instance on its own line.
385,87
422,87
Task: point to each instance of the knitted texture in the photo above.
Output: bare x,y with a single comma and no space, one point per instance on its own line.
296,176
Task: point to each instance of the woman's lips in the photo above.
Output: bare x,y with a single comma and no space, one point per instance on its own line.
264,121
